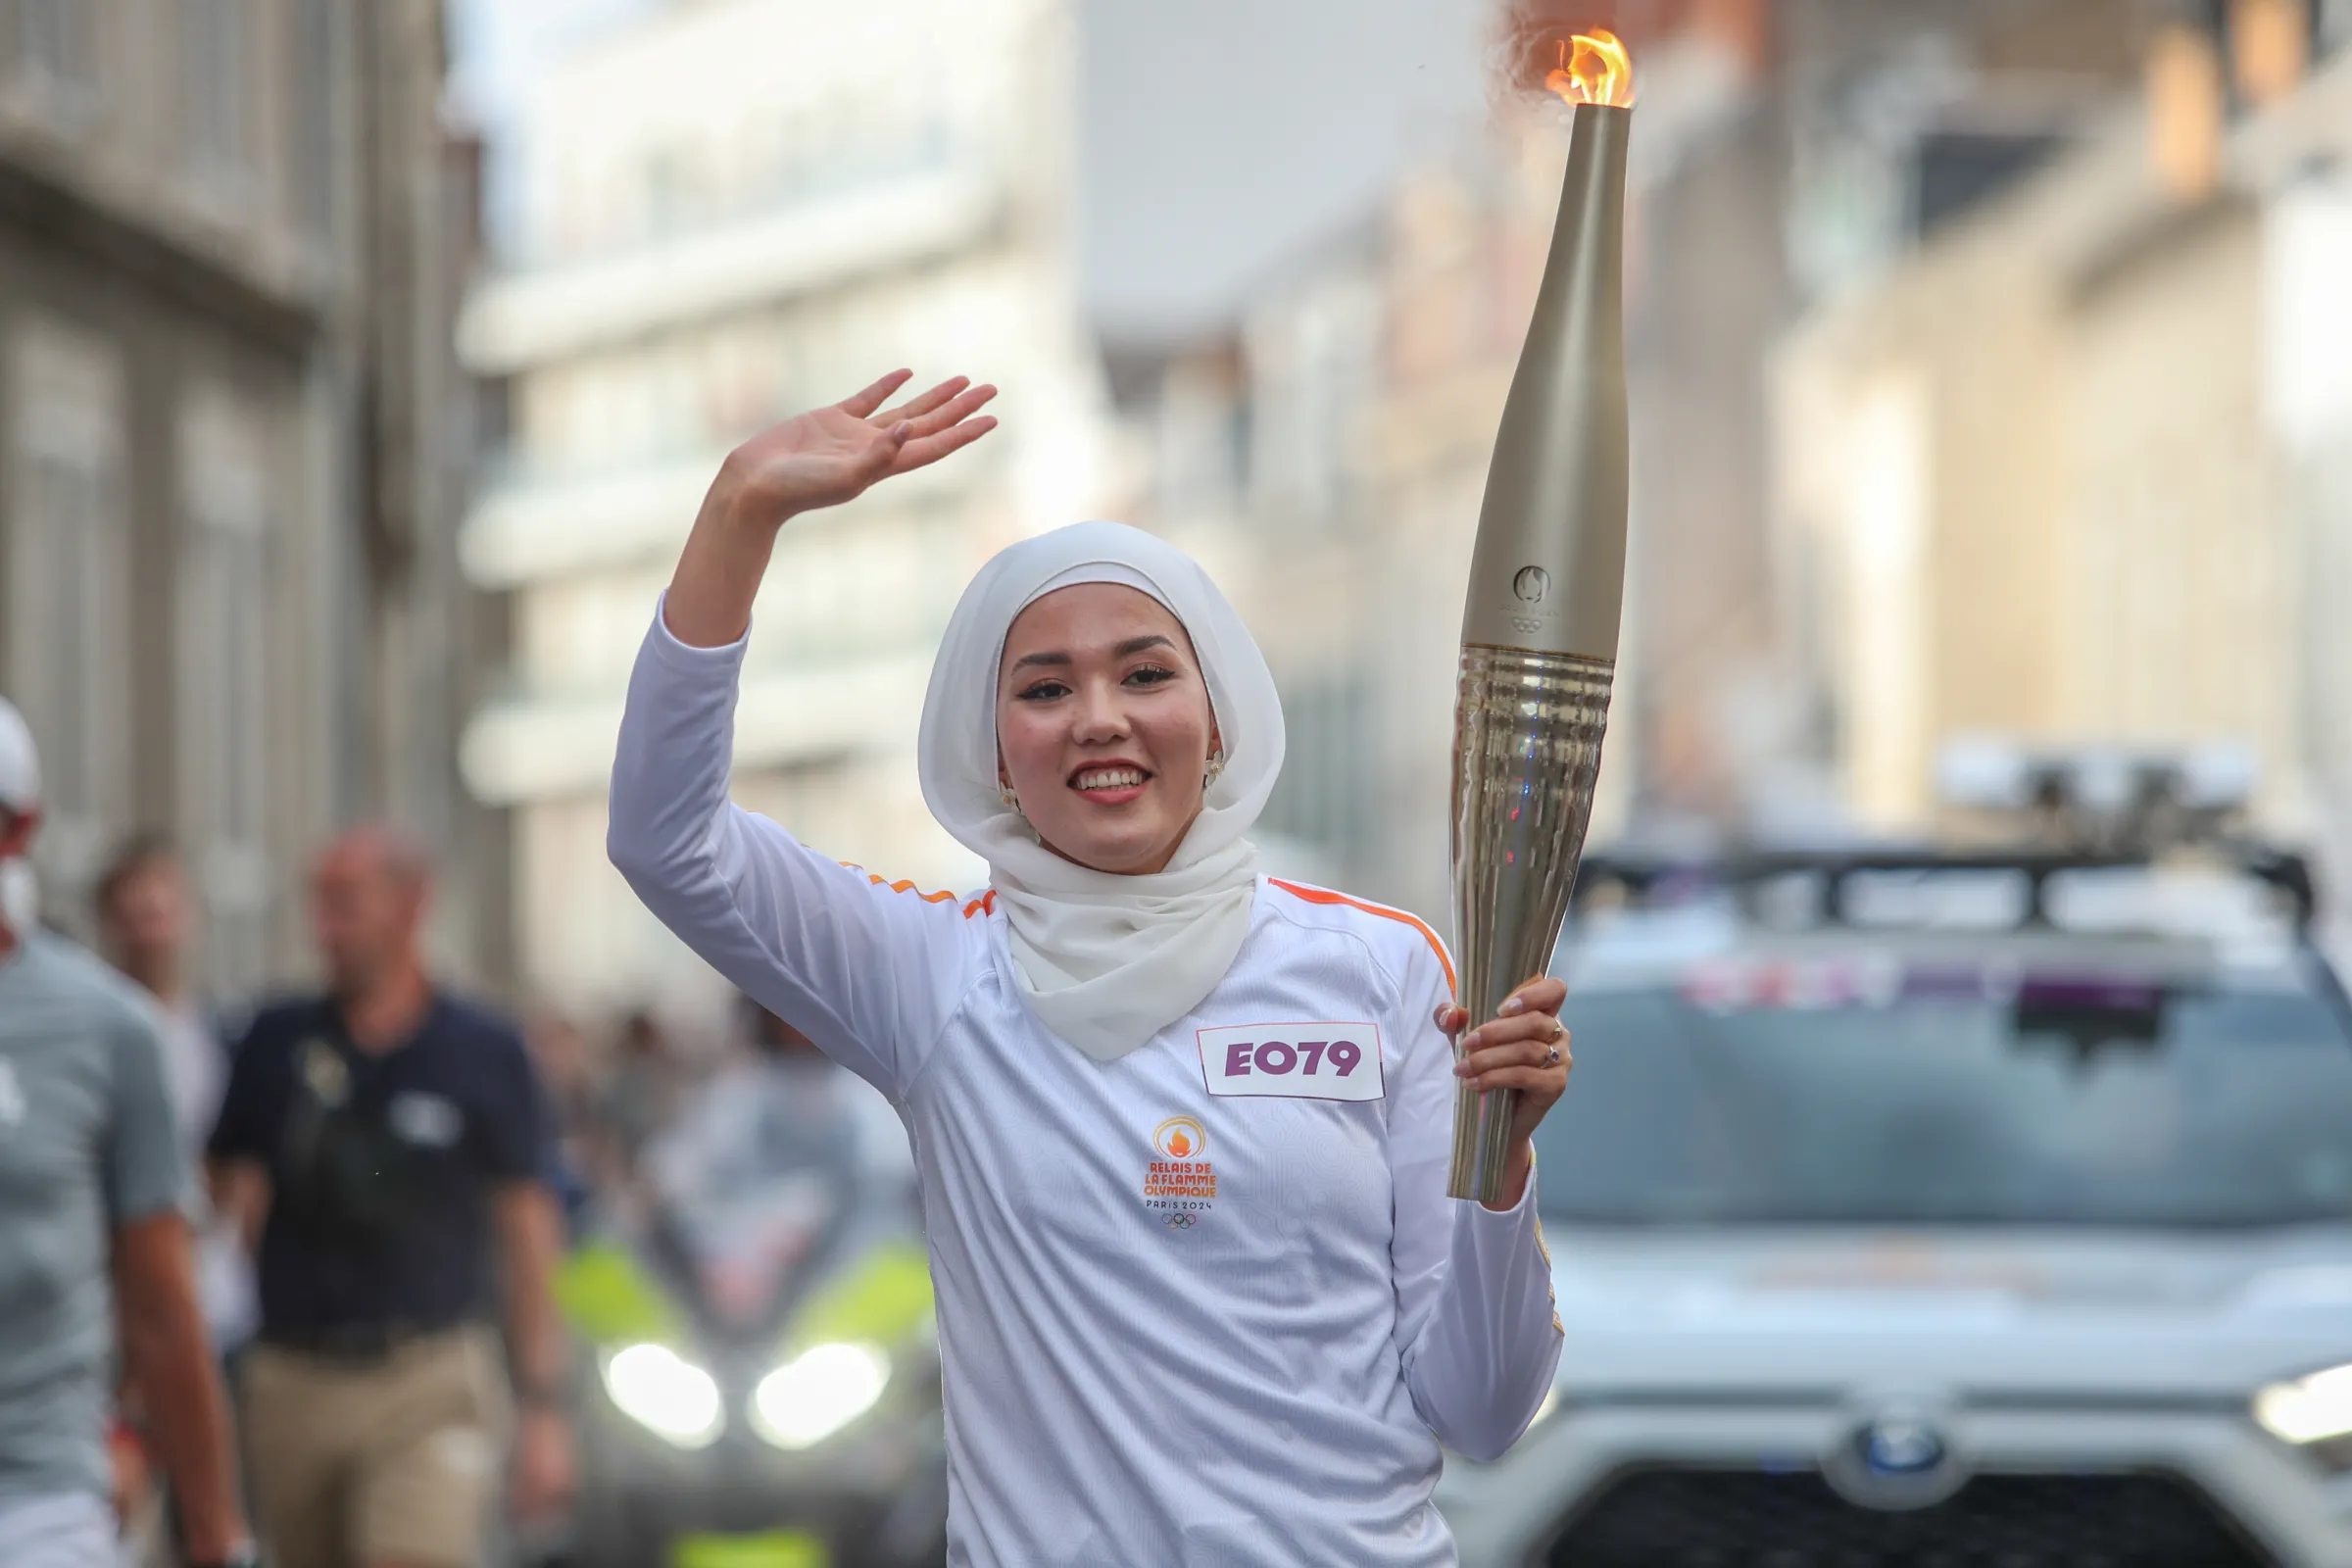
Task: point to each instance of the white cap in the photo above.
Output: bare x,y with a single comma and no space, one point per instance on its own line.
19,761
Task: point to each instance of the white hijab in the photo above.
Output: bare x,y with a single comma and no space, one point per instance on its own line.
1106,960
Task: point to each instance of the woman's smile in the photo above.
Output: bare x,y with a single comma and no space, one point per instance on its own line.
1114,783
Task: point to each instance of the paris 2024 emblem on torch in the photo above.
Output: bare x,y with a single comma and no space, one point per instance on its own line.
1546,589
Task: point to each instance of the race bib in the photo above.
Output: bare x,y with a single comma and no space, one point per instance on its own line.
1293,1060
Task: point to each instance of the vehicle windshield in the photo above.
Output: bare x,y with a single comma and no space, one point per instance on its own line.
2002,1098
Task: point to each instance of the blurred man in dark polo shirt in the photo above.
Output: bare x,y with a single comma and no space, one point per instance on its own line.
388,1140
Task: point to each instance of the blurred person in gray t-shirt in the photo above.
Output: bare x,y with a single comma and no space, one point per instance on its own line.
94,1250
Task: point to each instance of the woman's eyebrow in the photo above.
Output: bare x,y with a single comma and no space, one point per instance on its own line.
1126,650
1136,645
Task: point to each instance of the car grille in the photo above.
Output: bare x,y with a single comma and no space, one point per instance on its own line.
1748,1519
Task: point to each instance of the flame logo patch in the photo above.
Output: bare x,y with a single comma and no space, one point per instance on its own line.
1178,1138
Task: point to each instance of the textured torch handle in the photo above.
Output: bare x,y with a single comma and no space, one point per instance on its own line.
1526,758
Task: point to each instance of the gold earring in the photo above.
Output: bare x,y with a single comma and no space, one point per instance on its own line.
1013,802
1217,768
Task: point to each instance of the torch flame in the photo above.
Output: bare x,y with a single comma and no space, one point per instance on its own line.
1594,68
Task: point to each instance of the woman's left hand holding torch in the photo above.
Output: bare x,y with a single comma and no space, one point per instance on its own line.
1525,1047
820,459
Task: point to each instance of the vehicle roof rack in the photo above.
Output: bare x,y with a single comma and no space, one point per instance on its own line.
2284,871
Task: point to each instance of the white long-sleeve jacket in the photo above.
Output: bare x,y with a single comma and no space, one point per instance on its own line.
1204,1305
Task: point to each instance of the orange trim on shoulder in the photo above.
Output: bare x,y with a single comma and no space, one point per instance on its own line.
1326,896
899,887
985,903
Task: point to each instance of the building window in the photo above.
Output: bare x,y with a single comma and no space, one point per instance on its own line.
224,692
52,54
310,30
1324,796
1303,423
665,199
68,648
218,101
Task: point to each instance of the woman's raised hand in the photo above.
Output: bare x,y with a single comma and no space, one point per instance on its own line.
821,458
1524,1047
831,455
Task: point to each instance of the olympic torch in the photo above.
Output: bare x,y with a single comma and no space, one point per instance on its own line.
1546,589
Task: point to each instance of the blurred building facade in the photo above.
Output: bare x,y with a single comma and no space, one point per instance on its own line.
229,424
2080,469
733,211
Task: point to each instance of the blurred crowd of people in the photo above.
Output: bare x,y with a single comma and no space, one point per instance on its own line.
374,1245
611,1092
331,1224
633,1099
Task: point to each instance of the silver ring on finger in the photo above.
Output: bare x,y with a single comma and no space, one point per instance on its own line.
1552,1056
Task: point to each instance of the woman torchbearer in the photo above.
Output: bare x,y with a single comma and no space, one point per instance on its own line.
1182,1129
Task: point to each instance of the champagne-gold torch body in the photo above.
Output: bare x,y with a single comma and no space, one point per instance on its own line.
1539,628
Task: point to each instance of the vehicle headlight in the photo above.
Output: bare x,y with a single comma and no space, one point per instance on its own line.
666,1393
2312,1412
818,1392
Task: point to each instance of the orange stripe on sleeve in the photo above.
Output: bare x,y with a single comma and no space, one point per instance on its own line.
927,898
899,887
1326,896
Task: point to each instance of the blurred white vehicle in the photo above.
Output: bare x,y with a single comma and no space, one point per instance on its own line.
1912,1210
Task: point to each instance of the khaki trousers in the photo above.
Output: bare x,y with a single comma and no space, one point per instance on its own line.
398,1461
